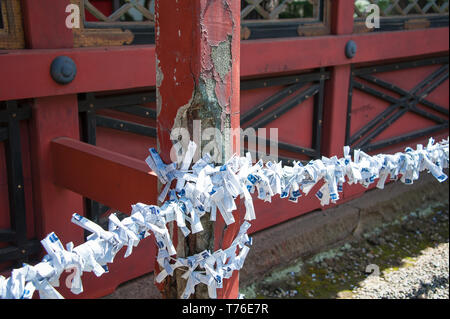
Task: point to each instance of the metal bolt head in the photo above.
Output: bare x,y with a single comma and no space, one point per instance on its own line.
63,69
350,49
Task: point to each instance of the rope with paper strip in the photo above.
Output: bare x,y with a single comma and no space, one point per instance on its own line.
203,189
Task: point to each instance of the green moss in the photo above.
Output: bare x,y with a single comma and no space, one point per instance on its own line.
311,279
391,269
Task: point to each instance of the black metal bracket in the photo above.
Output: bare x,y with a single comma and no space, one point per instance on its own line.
297,88
21,248
401,101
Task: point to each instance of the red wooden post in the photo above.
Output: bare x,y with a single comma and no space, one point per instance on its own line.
197,78
335,101
45,28
45,24
53,117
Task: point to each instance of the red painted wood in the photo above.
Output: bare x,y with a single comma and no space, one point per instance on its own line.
223,239
262,57
185,35
299,134
342,16
235,93
230,288
335,111
175,53
125,143
52,206
53,117
365,106
45,24
280,210
336,89
177,57
25,74
104,6
87,170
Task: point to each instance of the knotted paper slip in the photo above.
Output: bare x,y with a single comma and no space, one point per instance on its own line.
207,188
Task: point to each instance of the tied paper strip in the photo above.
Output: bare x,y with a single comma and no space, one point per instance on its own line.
207,188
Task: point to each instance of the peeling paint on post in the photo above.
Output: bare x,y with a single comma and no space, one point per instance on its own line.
197,63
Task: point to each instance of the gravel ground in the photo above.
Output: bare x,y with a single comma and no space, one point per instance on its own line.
407,258
426,278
